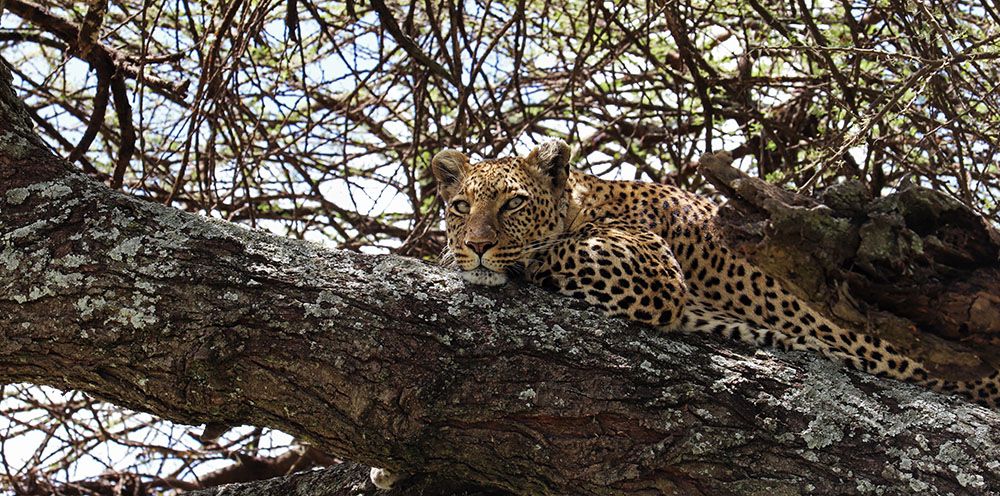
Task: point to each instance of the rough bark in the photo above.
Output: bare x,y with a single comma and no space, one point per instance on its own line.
922,270
345,479
393,362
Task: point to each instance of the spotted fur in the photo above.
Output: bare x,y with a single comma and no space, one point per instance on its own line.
647,252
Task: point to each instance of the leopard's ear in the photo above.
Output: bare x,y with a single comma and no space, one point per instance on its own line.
449,167
551,160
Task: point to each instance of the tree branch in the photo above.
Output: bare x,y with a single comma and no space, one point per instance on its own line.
389,23
388,361
93,52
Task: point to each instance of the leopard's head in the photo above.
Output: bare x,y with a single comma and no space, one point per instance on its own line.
499,211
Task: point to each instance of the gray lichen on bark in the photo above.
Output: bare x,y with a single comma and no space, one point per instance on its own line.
391,361
16,137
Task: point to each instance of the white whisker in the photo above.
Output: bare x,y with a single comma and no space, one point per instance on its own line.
447,258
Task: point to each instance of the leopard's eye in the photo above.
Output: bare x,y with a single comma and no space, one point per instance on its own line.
514,203
460,206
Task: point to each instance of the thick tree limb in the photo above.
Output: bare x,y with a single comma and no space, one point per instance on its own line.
391,362
916,253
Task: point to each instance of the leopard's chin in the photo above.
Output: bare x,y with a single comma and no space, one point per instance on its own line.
484,277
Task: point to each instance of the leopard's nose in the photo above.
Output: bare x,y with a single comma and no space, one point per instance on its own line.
479,247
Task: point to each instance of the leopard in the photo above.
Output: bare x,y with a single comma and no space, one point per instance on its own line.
648,252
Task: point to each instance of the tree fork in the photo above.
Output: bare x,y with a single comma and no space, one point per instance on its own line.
392,362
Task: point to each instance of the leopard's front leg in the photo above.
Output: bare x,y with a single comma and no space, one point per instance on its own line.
625,272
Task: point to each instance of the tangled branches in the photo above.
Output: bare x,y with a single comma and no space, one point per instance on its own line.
317,120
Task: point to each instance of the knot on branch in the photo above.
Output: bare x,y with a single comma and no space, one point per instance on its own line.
923,257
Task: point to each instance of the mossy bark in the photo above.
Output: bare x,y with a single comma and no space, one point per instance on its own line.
392,362
914,266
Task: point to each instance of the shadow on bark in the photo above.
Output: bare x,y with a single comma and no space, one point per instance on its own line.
392,362
914,266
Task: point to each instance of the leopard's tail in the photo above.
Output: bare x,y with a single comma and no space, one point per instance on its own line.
856,350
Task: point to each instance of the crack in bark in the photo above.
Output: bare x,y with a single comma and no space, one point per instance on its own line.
394,362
